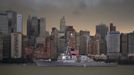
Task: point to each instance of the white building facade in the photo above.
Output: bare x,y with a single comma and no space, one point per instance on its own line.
19,23
113,45
16,45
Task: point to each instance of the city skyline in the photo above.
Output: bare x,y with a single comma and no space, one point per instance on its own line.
76,36
82,14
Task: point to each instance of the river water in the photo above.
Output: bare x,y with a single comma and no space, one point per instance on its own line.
31,69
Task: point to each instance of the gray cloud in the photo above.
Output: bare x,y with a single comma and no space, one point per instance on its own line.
76,6
84,11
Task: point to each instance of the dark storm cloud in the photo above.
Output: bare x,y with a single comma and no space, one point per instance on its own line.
83,11
75,7
81,7
64,5
60,4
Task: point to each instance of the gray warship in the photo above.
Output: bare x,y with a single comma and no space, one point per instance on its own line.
67,60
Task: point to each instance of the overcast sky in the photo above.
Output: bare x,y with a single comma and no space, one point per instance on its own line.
82,14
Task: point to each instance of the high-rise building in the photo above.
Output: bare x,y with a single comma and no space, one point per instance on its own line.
35,26
6,47
48,47
113,45
131,45
4,29
28,53
12,21
42,27
94,46
1,46
61,43
16,45
124,46
61,36
70,38
112,27
29,27
8,24
33,30
77,41
24,44
54,45
102,30
62,24
84,42
4,23
19,23
42,32
39,52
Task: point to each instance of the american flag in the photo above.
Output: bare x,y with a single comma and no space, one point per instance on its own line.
74,52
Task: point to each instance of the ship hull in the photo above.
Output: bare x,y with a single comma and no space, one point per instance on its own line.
75,64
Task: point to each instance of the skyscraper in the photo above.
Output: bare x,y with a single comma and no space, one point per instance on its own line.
42,31
102,30
33,30
94,46
70,37
4,23
62,24
1,46
16,45
61,43
77,41
124,46
29,27
35,26
61,36
112,27
4,29
48,46
113,45
7,26
42,27
84,42
54,35
12,21
131,45
8,21
19,23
